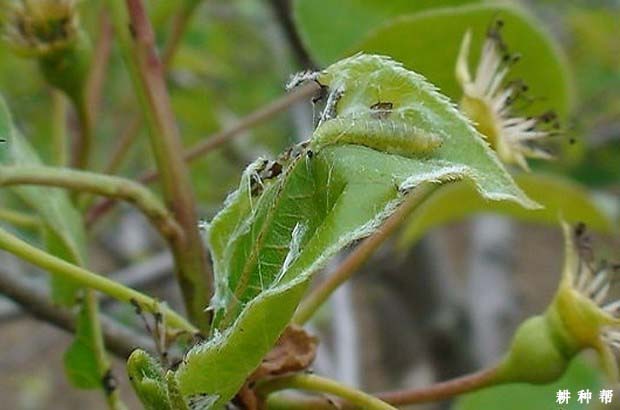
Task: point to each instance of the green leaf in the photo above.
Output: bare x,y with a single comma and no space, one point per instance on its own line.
64,237
561,198
63,292
80,362
64,233
594,31
274,233
428,42
330,28
581,375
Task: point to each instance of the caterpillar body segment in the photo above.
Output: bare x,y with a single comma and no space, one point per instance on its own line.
394,137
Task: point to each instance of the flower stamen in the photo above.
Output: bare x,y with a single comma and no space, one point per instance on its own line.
489,100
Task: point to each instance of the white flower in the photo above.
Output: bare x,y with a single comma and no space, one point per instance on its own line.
488,100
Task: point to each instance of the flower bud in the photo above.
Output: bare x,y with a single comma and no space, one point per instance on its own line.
535,356
49,30
148,380
577,319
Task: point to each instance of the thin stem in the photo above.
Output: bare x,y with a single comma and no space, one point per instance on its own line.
211,142
33,298
179,25
442,390
88,102
19,219
360,255
140,276
119,152
62,268
114,399
91,305
106,185
82,145
436,392
124,143
283,13
131,132
319,384
137,43
216,140
59,128
298,401
99,66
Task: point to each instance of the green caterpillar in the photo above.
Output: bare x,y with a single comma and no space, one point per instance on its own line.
394,137
347,120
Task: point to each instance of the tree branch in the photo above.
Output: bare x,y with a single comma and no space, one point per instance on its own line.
119,339
20,219
59,128
101,61
179,26
443,390
123,144
128,136
62,268
282,10
137,42
142,275
218,139
436,392
82,145
213,141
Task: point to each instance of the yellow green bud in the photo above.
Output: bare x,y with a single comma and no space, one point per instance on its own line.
68,70
535,356
41,27
50,31
577,319
148,380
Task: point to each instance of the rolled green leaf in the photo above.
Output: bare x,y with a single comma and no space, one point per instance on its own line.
289,217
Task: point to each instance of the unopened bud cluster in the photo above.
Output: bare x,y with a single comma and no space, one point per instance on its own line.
41,27
50,31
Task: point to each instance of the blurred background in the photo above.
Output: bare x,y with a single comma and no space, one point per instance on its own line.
424,308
